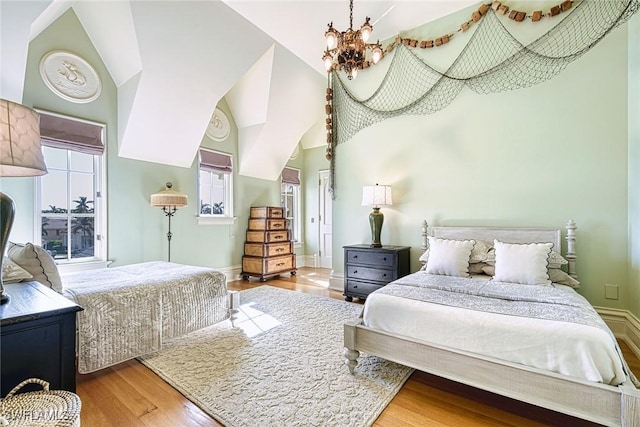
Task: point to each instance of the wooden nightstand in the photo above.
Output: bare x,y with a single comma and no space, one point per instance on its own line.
367,269
37,337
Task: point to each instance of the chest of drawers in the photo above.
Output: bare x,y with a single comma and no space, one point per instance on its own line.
367,269
268,249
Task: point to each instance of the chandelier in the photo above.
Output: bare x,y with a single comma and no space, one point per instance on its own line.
347,50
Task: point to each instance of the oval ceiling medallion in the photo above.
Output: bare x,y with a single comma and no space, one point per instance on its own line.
218,128
70,77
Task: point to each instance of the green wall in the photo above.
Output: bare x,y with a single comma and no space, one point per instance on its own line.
534,157
634,163
137,231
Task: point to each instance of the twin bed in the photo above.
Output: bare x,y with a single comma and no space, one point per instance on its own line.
518,334
129,311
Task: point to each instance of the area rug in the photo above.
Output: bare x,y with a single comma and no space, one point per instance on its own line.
279,362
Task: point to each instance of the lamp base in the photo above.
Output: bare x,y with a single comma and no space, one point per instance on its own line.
7,213
376,218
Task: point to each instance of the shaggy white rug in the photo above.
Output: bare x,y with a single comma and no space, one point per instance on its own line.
279,362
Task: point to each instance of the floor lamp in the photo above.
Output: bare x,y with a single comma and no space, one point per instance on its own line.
169,200
20,155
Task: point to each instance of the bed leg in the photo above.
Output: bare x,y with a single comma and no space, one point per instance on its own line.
352,359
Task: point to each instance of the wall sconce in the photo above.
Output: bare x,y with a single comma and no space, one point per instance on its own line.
376,196
169,200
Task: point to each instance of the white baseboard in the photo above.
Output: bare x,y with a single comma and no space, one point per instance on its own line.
232,273
624,326
336,281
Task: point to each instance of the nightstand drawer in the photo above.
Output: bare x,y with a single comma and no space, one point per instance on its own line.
355,287
381,259
370,273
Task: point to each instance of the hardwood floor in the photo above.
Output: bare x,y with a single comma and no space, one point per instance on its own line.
130,395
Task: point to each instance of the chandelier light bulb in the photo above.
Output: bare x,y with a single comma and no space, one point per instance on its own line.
328,61
353,75
332,37
366,30
377,54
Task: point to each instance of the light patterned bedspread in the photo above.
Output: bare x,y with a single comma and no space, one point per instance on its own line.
546,327
130,310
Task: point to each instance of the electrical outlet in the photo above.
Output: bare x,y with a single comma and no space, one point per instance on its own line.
611,291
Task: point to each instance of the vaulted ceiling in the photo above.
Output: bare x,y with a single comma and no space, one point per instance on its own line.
173,61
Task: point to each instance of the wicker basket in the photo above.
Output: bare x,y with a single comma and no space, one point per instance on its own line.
51,408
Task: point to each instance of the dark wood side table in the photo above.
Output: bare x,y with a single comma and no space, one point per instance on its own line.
367,269
37,338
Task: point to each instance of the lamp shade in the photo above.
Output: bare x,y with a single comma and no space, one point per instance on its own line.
169,198
376,195
20,150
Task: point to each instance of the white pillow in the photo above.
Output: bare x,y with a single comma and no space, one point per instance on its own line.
555,259
449,257
13,273
522,263
37,262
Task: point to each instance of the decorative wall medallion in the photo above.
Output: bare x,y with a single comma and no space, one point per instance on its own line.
219,127
295,153
70,77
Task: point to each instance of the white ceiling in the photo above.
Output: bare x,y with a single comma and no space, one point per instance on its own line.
173,61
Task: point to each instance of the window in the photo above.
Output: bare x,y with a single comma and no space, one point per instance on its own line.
290,200
72,215
215,177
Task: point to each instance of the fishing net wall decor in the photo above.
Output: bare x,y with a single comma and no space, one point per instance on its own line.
493,60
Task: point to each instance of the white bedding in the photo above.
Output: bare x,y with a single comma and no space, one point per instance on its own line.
573,349
130,310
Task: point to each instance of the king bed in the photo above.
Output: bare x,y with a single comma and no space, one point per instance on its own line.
493,308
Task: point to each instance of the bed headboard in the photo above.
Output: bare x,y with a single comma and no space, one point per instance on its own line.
509,235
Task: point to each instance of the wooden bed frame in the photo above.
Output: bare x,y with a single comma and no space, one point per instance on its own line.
600,403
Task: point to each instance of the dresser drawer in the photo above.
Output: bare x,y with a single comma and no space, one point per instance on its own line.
370,273
354,287
269,265
267,224
266,212
268,249
381,259
267,236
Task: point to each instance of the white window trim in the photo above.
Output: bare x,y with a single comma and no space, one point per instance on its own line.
216,219
101,221
298,220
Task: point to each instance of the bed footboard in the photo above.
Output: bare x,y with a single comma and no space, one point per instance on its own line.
604,404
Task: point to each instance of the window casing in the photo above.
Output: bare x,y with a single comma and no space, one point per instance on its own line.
290,201
70,202
215,187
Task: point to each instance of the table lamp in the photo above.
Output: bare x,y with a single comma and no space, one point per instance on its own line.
20,155
376,196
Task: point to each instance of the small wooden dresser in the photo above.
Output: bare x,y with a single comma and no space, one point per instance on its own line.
367,269
268,250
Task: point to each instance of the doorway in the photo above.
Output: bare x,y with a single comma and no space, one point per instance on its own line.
324,220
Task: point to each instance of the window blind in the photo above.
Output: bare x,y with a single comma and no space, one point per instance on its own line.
291,176
68,134
216,162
